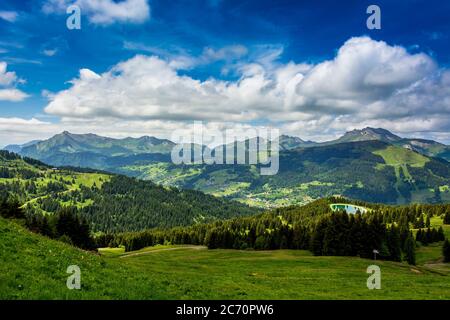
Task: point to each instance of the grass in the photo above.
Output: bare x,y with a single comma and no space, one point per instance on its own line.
431,253
73,180
34,267
396,156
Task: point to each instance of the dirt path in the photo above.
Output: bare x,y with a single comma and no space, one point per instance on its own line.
164,249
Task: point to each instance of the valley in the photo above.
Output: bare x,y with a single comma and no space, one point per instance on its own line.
144,240
370,164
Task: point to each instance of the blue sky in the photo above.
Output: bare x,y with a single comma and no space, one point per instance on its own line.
215,44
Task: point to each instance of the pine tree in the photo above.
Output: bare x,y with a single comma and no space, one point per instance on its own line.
394,245
446,250
410,250
428,237
447,218
419,223
419,236
428,222
441,234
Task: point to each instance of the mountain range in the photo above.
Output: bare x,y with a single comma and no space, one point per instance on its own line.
371,164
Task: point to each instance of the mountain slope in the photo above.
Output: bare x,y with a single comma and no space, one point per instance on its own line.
366,134
426,147
109,202
17,148
369,164
82,149
367,170
34,267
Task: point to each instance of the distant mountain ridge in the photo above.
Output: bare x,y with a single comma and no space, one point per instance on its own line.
426,147
69,143
370,164
89,150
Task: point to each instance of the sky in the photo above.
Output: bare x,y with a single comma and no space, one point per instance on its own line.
148,67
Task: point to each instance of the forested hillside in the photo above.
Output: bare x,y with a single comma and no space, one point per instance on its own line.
108,202
372,171
391,230
370,164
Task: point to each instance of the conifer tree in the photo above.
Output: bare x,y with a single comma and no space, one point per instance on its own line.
446,250
428,222
394,244
410,250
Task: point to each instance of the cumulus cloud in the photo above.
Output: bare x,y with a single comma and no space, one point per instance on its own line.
368,83
13,95
8,79
104,12
364,71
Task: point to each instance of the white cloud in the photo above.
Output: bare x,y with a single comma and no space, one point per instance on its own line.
13,95
104,12
364,71
9,16
368,83
8,79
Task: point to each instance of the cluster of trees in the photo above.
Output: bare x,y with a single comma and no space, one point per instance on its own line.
356,235
447,217
420,223
272,228
14,156
10,208
6,173
55,186
126,204
18,172
428,236
65,225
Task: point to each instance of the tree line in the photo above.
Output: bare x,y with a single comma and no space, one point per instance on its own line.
430,235
386,229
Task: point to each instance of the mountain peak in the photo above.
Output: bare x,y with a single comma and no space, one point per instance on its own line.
369,133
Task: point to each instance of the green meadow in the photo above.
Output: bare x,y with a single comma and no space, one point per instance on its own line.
34,267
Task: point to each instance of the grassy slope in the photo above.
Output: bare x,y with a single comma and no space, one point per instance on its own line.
153,202
34,267
73,179
395,156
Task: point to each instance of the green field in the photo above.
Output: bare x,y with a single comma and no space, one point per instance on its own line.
34,267
394,156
